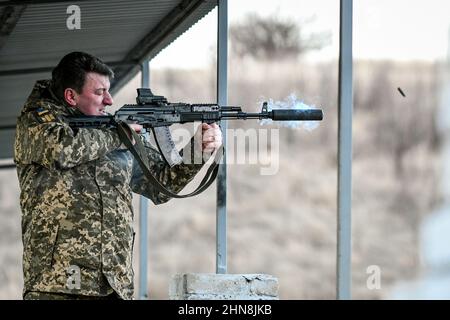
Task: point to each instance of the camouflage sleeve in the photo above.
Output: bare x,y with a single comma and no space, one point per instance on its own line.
175,178
53,144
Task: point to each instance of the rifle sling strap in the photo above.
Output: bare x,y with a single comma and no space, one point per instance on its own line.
138,151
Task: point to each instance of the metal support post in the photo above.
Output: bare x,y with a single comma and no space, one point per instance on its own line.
143,212
222,99
345,152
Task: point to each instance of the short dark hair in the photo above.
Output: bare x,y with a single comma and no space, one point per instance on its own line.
71,72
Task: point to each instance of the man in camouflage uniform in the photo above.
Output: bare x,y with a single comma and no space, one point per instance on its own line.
77,218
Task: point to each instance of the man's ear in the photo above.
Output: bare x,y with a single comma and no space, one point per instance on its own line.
71,97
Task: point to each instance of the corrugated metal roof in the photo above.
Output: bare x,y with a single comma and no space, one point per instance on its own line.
122,33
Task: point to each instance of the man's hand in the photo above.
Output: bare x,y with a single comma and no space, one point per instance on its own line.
211,137
132,126
136,127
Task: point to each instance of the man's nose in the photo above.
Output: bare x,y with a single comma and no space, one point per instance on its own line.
108,99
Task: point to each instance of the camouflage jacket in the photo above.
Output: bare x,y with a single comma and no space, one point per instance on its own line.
77,216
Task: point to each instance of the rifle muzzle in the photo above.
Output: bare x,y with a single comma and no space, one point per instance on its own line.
297,115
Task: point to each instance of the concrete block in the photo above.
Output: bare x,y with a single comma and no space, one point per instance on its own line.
211,286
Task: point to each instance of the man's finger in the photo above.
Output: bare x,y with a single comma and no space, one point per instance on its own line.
136,127
212,146
213,125
211,137
208,134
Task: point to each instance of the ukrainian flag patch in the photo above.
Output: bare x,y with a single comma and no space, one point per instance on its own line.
43,116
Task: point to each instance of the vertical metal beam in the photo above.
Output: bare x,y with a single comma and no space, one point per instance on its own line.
343,268
143,211
222,99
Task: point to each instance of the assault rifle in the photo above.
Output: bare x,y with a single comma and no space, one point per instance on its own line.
156,113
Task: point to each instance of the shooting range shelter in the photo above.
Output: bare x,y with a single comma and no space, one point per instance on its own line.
34,35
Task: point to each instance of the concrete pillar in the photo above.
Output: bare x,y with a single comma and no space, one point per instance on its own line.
212,286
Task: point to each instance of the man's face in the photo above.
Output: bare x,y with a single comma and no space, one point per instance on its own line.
95,96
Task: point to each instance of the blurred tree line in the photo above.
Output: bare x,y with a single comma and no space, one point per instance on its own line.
274,37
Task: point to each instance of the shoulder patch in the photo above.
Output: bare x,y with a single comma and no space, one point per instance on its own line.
43,116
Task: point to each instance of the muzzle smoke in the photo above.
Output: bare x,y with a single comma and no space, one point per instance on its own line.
291,102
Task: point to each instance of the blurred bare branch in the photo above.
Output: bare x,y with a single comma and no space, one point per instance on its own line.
274,37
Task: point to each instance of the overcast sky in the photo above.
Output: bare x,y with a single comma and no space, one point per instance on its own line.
395,29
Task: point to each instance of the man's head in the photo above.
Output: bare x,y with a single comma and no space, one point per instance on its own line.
82,81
